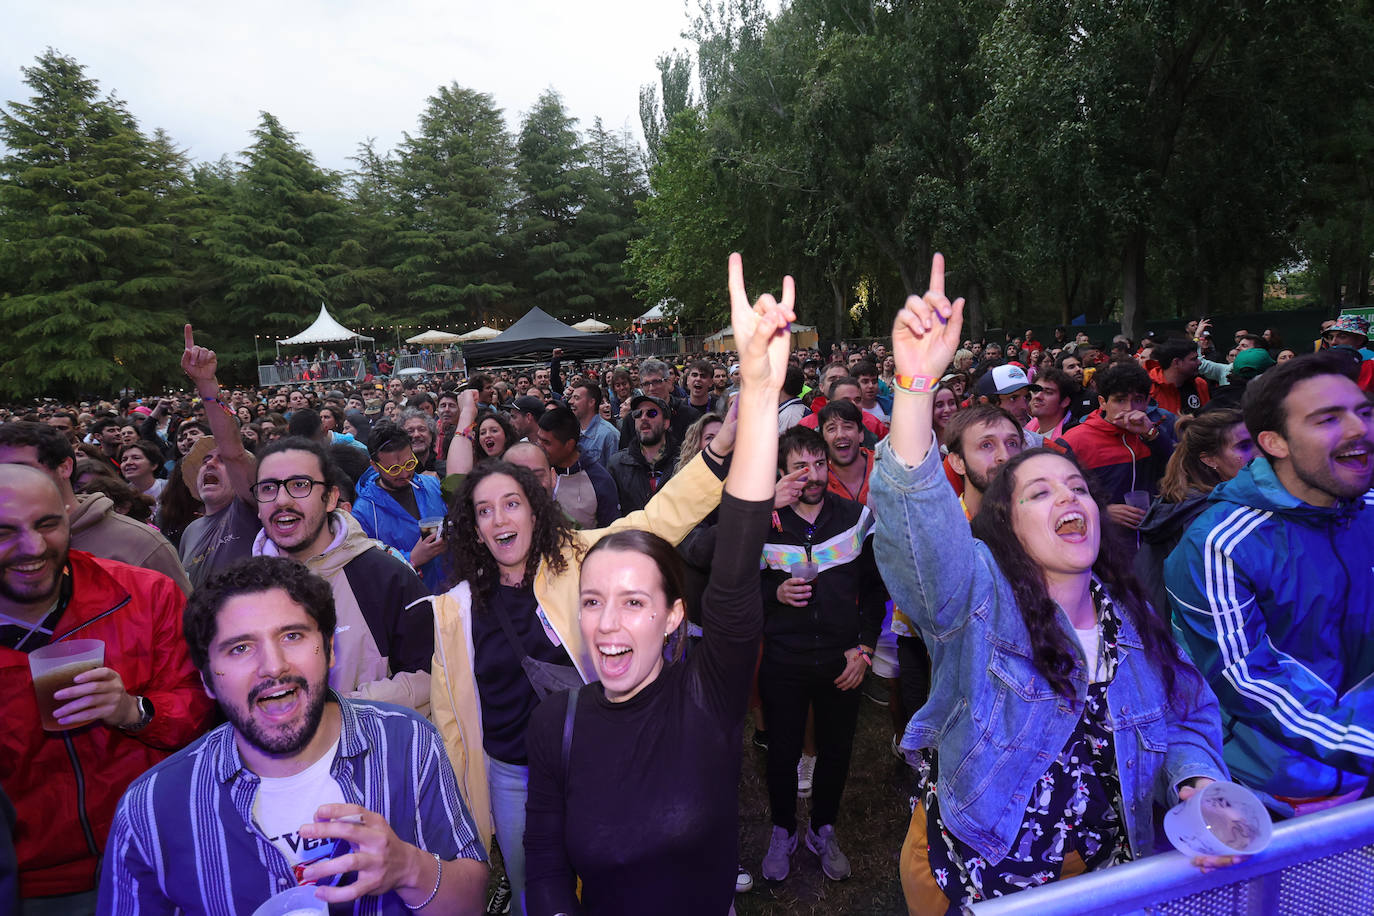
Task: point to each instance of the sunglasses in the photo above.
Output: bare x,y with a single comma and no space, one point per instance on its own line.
650,412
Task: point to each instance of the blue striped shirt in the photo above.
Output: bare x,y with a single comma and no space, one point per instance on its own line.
184,840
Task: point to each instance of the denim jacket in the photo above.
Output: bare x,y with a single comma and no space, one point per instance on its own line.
993,718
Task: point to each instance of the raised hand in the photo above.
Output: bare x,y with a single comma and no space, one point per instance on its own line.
924,338
199,363
762,335
926,332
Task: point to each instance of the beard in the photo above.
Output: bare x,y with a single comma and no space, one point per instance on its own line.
36,592
1319,475
976,480
651,438
295,736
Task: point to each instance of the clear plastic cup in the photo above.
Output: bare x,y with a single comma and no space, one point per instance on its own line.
1140,499
55,667
806,571
1223,819
431,525
298,901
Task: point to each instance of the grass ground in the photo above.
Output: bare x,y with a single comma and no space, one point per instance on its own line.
873,821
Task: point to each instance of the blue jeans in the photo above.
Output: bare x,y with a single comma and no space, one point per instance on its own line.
509,785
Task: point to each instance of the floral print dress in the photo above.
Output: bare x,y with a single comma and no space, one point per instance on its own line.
1076,806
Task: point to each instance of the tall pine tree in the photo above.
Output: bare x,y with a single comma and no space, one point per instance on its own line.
551,177
89,285
274,244
455,181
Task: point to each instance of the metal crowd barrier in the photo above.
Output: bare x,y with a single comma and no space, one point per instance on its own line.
435,361
350,369
1316,865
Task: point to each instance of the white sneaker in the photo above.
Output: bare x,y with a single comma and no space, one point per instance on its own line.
834,862
806,769
778,860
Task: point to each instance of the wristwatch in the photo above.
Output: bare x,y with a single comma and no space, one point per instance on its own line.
145,715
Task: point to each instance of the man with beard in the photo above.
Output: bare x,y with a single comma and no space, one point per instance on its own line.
1271,589
95,526
116,721
220,471
980,439
641,468
392,498
823,607
656,382
385,639
300,785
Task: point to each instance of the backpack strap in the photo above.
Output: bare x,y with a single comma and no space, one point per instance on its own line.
568,718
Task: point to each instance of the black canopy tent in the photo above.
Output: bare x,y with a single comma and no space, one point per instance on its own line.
534,336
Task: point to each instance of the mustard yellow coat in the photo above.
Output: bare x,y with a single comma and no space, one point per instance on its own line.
687,498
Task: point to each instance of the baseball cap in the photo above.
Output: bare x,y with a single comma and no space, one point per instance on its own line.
1250,363
641,398
1007,379
528,403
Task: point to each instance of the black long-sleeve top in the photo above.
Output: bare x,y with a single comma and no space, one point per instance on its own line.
648,813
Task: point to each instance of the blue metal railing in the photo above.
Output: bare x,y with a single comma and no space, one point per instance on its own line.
1316,864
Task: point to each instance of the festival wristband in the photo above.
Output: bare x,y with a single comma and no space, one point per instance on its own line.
222,406
916,384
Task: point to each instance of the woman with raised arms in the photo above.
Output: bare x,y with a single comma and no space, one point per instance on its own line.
634,781
1060,709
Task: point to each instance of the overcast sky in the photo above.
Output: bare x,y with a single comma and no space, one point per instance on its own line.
341,71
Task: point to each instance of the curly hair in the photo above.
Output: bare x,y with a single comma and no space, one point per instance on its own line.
1051,651
692,439
250,577
551,541
507,430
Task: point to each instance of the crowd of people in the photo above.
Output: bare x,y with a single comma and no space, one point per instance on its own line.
363,636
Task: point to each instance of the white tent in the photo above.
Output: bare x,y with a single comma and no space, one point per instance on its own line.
433,337
482,333
324,330
591,325
658,312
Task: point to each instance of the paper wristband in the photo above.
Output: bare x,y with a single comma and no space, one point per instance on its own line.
917,384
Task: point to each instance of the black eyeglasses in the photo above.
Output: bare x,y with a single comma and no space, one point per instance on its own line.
265,491
650,412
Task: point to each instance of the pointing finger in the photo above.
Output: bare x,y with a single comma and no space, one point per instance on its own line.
190,337
937,274
737,294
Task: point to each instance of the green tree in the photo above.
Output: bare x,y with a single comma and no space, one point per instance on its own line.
689,227
609,220
551,176
275,242
369,288
89,284
456,185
